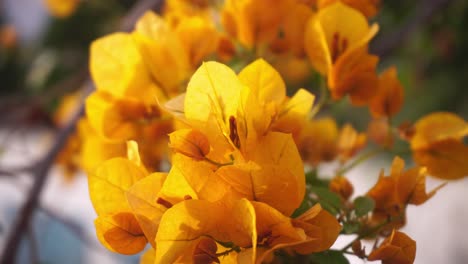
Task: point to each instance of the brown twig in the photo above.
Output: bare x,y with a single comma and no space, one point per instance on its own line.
42,169
385,45
34,252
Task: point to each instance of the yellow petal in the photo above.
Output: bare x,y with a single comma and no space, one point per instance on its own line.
354,28
280,182
292,28
367,7
256,21
185,222
436,127
327,225
316,46
148,257
190,142
317,141
205,251
396,249
95,151
350,142
176,187
118,68
61,8
120,233
110,181
117,119
294,113
445,159
133,154
264,81
389,98
199,37
354,74
213,90
164,55
142,197
199,180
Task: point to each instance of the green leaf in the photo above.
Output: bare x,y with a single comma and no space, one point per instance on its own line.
305,205
329,200
329,257
313,179
351,227
363,205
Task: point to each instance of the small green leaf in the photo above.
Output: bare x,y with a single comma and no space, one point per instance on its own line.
329,257
312,179
305,205
363,205
329,200
351,227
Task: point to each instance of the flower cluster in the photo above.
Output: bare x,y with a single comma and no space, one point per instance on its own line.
205,86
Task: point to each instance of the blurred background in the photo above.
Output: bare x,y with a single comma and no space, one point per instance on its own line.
43,57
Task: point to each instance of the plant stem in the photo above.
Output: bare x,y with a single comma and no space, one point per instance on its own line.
322,100
358,161
217,163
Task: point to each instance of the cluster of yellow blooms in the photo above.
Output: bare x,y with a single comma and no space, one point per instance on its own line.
236,191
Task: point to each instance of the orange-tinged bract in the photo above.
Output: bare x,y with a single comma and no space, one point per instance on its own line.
389,97
367,7
254,21
61,8
317,142
341,186
336,41
350,142
398,248
393,193
437,143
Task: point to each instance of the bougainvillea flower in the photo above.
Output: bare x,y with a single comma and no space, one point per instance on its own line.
317,141
61,8
393,193
290,38
236,111
367,7
95,150
118,119
336,42
165,57
116,227
437,143
122,71
389,97
199,38
143,200
320,140
378,132
341,186
240,116
254,22
275,178
350,142
398,248
253,229
174,11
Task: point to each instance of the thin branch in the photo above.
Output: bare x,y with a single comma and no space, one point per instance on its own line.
5,171
34,249
42,170
423,12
